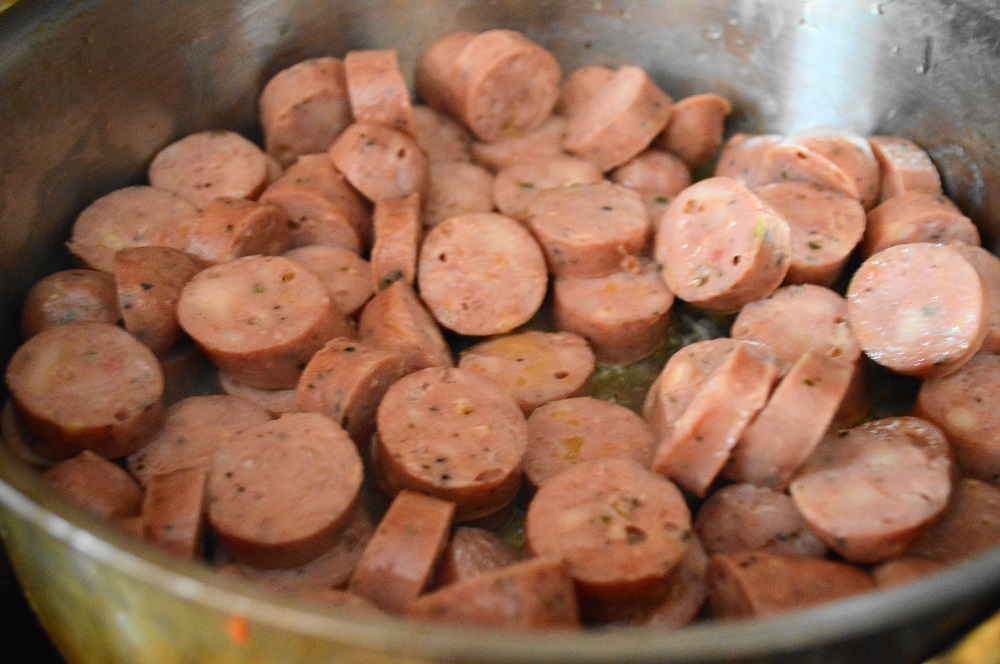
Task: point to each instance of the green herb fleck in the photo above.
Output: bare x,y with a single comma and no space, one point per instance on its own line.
815,245
389,279
808,383
525,185
662,200
258,289
145,286
760,228
784,175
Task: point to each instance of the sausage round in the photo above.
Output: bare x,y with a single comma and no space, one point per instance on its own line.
377,90
694,130
69,295
987,265
916,216
96,485
850,152
456,188
398,232
658,176
275,402
229,228
473,552
380,162
173,511
539,144
517,185
346,276
968,527
441,137
582,84
742,158
396,320
903,166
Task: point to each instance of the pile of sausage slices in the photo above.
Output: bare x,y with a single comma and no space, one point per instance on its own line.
403,306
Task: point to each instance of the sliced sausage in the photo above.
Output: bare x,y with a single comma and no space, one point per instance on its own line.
346,380
346,276
517,185
455,188
916,216
29,450
275,402
69,295
539,144
701,439
618,122
380,162
452,434
871,491
969,526
566,432
187,372
210,164
919,309
322,207
987,265
788,161
129,217
742,158
582,84
694,130
229,228
905,569
531,595
399,560
441,137
904,166
149,281
481,274
849,151
587,230
435,73
721,246
965,406
473,552
624,315
398,231
192,430
533,367
263,519
86,386
95,485
757,584
260,318
508,84
621,529
658,176
304,108
377,90
793,422
741,518
173,511
396,320
825,226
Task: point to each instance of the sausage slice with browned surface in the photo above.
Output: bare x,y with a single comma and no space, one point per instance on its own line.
173,511
346,276
452,434
481,274
535,594
621,529
69,295
260,318
919,309
435,74
473,552
904,166
259,514
533,367
230,228
86,386
580,86
871,491
380,162
397,232
396,320
400,559
969,526
916,216
377,90
721,246
96,485
694,130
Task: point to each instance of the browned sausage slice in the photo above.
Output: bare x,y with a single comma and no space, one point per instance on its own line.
377,90
966,406
192,429
129,217
86,386
481,274
455,188
588,230
741,518
742,158
517,185
919,309
229,228
69,295
210,164
566,432
916,216
871,491
96,485
620,121
533,367
721,246
987,265
346,380
582,84
753,585
260,318
452,434
275,402
473,552
304,108
621,528
658,176
694,130
969,526
396,320
531,595
701,439
149,281
398,231
262,518
173,511
441,137
904,166
399,560
793,422
905,569
539,144
346,276
380,162
624,315
435,73
825,227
